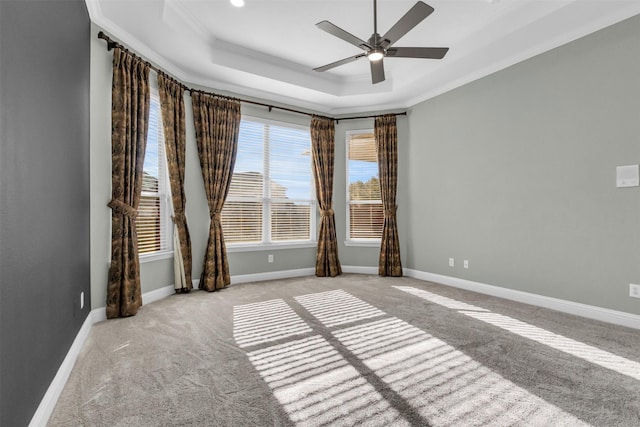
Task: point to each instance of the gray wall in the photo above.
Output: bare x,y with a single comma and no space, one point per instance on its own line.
158,274
516,173
44,195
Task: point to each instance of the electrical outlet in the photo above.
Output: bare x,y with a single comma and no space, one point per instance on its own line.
451,262
466,263
270,258
81,300
634,290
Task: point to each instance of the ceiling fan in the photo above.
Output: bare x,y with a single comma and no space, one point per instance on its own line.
378,47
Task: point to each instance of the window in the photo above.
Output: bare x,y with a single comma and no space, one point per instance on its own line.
271,198
154,213
365,216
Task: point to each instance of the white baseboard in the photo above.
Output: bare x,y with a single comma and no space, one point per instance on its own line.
48,402
98,315
301,272
158,294
359,270
272,275
589,311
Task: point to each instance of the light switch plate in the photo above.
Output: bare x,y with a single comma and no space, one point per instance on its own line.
627,176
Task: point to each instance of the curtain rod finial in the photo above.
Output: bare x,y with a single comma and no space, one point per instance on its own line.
110,43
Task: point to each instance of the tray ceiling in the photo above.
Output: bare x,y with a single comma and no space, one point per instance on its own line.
268,48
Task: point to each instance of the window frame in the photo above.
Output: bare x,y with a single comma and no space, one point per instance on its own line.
267,201
163,193
349,241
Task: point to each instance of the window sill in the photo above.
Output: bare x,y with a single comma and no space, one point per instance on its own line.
363,243
155,256
270,246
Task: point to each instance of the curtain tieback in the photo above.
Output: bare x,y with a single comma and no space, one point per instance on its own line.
216,216
179,218
391,211
326,212
122,208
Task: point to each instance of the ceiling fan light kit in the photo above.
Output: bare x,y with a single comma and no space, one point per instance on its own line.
375,55
377,47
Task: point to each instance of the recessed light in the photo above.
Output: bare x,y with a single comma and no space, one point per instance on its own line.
237,3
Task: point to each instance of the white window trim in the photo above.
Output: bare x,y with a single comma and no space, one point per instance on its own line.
165,200
254,247
155,256
364,243
351,241
267,243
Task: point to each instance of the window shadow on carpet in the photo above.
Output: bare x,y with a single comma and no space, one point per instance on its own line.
358,365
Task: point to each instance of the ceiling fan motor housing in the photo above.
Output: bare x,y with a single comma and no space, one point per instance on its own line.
375,40
376,52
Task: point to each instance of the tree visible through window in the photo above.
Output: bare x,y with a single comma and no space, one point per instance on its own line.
154,213
271,197
365,213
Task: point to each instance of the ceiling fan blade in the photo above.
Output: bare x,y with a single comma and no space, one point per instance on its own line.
417,52
342,34
413,17
338,63
377,71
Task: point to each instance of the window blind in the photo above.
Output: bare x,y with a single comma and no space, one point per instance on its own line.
271,197
154,212
365,212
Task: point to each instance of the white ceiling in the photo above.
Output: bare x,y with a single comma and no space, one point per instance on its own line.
268,48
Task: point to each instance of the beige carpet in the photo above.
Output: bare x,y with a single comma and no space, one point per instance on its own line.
353,350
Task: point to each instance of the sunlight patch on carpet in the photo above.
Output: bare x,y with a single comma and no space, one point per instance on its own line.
559,342
317,386
265,322
338,307
446,387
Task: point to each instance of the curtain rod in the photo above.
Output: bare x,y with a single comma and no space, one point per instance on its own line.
111,44
404,113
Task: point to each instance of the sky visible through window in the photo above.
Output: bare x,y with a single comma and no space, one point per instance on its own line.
151,154
286,159
289,160
360,170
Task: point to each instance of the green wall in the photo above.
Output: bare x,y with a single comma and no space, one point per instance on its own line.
516,173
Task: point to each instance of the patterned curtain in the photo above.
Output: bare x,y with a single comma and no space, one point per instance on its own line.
172,104
387,142
129,122
322,148
217,123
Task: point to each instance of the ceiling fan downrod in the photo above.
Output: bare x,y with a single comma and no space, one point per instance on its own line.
375,17
377,53
375,40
